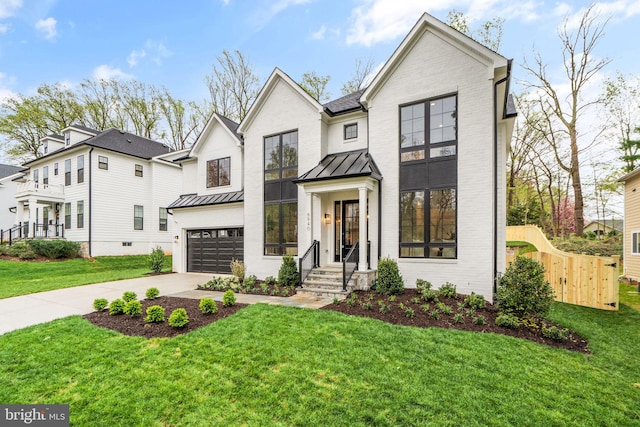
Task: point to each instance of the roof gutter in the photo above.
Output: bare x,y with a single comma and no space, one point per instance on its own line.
495,171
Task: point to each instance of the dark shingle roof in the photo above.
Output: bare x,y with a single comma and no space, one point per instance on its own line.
231,125
346,104
8,170
192,200
55,136
511,107
84,128
343,165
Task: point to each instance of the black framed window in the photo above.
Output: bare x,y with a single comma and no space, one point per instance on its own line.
45,175
80,167
163,219
138,217
103,162
80,214
67,172
428,178
219,172
138,170
281,194
351,131
67,216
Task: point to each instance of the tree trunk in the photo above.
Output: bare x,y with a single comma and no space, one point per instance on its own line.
578,213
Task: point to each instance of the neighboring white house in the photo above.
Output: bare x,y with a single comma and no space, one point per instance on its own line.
107,190
413,165
8,186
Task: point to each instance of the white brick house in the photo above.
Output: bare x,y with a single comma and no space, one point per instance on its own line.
107,190
413,165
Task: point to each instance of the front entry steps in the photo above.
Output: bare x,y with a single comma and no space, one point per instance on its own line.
327,282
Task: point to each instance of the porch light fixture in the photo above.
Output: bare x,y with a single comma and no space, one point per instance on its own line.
327,218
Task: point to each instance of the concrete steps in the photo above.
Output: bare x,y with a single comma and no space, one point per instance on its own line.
326,282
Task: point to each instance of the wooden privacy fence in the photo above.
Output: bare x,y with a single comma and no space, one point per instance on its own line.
587,280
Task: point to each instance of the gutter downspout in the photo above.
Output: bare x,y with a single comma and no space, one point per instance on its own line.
90,199
495,172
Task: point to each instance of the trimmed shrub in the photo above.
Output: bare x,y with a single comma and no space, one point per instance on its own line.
270,281
475,301
448,290
133,308
238,269
178,318
155,314
555,333
100,304
479,320
508,321
249,282
423,285
55,249
129,296
116,307
389,281
156,260
152,293
208,306
229,299
21,250
288,273
522,290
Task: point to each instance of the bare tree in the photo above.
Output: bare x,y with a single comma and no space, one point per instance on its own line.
233,85
181,118
100,103
315,85
489,33
360,77
562,112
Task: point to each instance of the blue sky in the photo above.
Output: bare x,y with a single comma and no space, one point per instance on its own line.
174,43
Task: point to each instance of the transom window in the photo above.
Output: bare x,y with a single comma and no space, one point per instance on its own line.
351,131
218,172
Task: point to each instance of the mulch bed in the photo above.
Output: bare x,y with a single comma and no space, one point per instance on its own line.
423,319
136,326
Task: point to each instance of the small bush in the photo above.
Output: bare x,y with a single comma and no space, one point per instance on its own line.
426,308
507,320
21,250
133,308
156,260
422,285
435,314
152,293
238,269
270,281
285,292
458,318
208,306
392,298
479,320
367,305
55,249
522,290
384,308
429,294
116,307
475,301
155,314
447,310
409,312
100,304
288,274
448,290
249,282
129,296
415,300
229,299
336,300
471,312
555,333
178,318
389,280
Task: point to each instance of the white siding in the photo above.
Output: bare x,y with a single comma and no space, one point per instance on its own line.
7,190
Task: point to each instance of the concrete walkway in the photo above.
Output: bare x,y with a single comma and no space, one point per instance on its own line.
26,310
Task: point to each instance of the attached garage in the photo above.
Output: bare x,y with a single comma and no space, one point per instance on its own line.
212,250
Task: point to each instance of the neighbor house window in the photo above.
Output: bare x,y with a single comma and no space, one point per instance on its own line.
80,166
67,215
45,175
138,170
36,175
55,169
218,172
138,217
67,138
80,214
281,194
46,147
428,179
635,243
163,219
103,162
67,172
351,131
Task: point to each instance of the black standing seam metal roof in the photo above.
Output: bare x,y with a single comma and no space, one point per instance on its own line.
343,165
193,200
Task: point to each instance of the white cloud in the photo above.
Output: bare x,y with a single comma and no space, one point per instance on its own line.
319,34
4,28
8,8
225,2
106,72
617,11
47,27
5,91
153,50
269,9
135,56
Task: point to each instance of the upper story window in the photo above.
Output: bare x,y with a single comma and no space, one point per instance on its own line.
67,139
163,220
218,172
281,156
138,170
80,166
350,131
67,215
45,175
46,147
67,172
55,169
103,162
36,175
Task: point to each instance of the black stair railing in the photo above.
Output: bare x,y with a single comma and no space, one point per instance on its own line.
309,261
350,265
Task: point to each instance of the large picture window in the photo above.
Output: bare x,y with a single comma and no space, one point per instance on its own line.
428,178
218,172
281,194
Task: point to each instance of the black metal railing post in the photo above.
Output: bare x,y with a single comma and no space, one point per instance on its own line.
350,265
309,261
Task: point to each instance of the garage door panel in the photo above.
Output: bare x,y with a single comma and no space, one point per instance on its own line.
212,250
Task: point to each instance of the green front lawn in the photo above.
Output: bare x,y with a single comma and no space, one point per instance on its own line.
21,278
271,365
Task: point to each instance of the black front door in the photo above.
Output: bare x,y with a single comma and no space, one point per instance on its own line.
347,227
